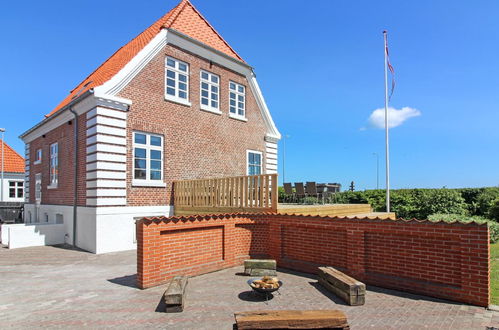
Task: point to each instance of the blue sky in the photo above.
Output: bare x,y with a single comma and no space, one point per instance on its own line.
320,66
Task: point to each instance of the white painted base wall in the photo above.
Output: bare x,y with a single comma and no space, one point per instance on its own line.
99,229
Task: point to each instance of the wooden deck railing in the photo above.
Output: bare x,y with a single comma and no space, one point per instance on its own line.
253,193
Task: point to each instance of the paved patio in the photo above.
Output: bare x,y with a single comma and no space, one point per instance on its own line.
52,287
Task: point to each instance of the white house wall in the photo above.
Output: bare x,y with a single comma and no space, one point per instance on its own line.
270,157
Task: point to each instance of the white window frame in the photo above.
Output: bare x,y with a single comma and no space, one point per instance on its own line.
237,93
38,157
53,178
248,164
175,98
210,84
16,188
148,182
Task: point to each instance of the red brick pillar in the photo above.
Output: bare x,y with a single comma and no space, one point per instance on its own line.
275,243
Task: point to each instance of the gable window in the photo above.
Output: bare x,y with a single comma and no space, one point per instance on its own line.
254,162
237,100
16,189
54,165
177,81
147,158
38,156
210,95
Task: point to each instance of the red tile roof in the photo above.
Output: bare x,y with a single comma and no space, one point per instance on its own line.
13,162
184,18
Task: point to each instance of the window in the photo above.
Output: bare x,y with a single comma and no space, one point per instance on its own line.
237,100
38,156
254,162
147,157
54,164
177,80
16,189
210,98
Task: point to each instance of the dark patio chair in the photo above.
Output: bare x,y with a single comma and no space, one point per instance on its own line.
288,190
311,190
300,190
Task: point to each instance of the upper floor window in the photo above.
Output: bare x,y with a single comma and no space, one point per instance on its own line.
16,189
210,94
38,156
237,99
147,157
177,80
54,164
254,162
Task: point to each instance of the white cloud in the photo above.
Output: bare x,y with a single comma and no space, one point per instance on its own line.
395,117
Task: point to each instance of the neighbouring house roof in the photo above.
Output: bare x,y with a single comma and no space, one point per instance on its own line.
184,18
13,162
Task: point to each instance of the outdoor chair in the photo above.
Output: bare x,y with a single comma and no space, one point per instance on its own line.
288,191
311,190
300,190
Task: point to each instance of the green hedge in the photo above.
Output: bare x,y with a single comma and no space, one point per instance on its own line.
421,203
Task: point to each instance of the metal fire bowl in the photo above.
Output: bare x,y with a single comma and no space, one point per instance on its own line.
262,290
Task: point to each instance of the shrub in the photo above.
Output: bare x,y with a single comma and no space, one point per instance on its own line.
310,200
493,212
493,226
485,199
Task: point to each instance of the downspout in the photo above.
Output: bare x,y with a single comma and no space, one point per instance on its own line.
75,171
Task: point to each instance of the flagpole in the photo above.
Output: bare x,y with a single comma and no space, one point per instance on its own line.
386,126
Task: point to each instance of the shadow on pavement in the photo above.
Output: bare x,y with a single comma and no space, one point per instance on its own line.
128,280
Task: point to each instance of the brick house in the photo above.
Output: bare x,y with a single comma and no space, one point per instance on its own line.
12,165
176,102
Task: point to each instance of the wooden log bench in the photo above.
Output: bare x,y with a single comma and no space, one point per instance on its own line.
292,319
347,288
260,267
174,296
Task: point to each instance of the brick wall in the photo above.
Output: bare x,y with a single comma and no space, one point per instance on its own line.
449,261
198,144
63,135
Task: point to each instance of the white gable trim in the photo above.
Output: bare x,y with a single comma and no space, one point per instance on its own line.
170,36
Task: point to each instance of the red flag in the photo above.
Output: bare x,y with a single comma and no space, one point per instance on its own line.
390,67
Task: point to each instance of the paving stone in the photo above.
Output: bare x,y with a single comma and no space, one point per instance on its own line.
55,288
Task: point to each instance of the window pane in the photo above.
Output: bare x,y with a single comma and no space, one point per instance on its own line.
240,105
232,86
12,184
182,95
182,77
156,165
140,138
204,93
140,174
214,89
170,74
241,112
204,75
182,67
155,154
214,79
182,86
214,104
12,193
20,193
240,89
258,159
240,98
155,175
170,82
155,140
140,153
232,109
251,158
204,101
204,85
233,103
170,91
214,96
20,184
140,163
170,62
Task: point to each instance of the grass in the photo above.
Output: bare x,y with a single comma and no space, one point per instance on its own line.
494,275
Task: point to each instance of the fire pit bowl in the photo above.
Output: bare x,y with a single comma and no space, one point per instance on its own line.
262,290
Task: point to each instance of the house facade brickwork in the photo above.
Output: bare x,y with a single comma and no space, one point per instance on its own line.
134,139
